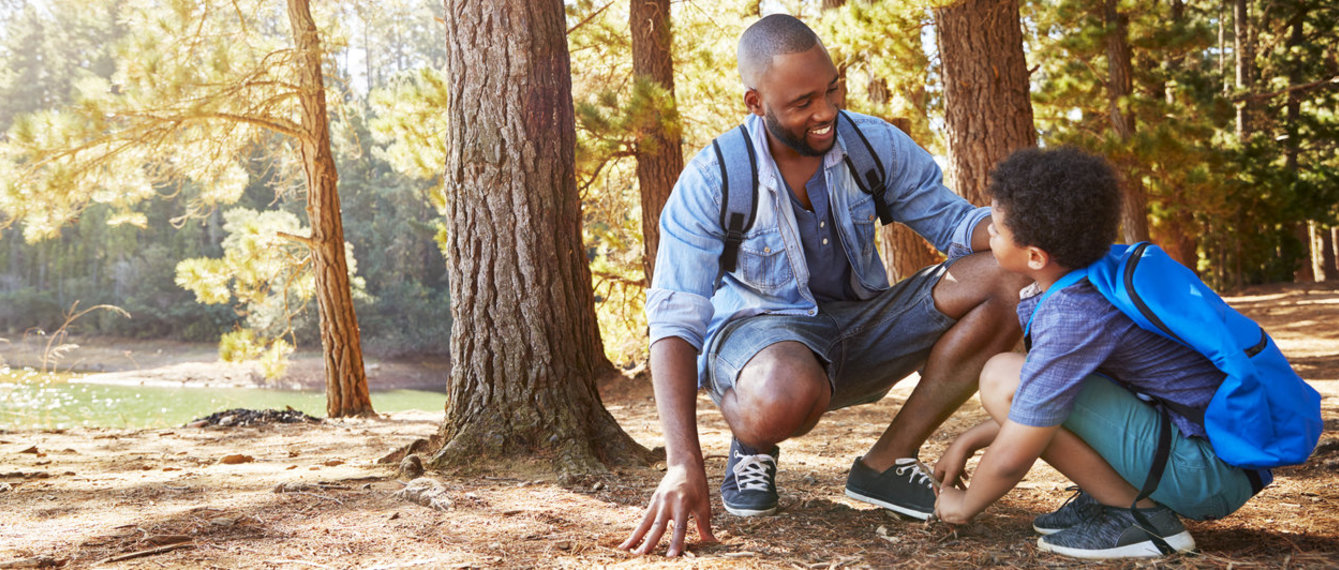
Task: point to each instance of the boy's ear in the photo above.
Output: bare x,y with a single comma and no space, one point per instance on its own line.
1037,259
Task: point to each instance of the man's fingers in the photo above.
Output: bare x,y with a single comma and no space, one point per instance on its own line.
703,517
653,536
676,539
647,520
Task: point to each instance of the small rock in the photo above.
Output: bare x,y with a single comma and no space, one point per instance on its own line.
564,545
334,463
295,487
598,486
426,492
411,467
235,459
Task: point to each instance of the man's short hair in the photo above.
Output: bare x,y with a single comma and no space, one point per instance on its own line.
777,34
1065,201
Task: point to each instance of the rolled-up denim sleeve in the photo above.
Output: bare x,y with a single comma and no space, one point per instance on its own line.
920,200
688,257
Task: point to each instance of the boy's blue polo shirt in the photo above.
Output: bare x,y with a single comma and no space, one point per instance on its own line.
1077,332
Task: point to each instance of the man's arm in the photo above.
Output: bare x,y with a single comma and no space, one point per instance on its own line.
1004,464
683,491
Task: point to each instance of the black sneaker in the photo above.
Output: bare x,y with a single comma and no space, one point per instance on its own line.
1114,533
749,488
1079,507
904,488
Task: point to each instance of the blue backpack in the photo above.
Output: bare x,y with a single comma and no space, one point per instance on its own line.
1263,415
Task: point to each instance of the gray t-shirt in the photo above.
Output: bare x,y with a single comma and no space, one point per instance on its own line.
1077,332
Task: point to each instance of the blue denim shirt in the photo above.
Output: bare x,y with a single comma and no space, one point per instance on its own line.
772,275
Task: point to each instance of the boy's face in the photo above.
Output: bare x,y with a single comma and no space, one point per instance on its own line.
1008,253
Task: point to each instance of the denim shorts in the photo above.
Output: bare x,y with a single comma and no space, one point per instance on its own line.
1124,431
865,346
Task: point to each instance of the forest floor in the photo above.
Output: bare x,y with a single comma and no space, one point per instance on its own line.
313,495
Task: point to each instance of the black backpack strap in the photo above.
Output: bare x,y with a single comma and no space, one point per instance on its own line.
738,201
1155,471
865,166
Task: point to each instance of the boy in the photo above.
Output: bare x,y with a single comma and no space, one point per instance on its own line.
1054,211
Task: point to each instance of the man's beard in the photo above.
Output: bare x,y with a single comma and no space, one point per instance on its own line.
798,144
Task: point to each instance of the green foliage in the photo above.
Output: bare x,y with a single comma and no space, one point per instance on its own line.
263,272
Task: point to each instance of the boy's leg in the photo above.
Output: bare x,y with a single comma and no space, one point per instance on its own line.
1068,454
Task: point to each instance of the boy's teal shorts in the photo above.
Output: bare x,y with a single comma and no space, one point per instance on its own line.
1124,430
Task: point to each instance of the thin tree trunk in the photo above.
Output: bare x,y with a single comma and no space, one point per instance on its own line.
1244,39
988,112
659,152
903,251
525,347
341,343
1323,253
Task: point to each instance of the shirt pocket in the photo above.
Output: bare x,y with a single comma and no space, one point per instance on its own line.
762,261
862,219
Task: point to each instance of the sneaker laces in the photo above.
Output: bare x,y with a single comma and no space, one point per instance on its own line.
919,475
751,471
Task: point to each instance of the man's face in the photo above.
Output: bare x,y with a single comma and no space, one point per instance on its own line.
798,98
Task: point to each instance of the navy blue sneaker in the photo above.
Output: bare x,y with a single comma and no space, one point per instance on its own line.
905,488
749,488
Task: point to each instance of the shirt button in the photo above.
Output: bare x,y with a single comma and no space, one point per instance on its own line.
822,224
767,250
825,241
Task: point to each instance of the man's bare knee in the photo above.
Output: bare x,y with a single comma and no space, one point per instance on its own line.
781,392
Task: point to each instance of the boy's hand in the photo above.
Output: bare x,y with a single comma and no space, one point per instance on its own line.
950,506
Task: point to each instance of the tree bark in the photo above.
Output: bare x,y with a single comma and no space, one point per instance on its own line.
341,343
1244,50
525,345
988,113
659,152
1120,89
1178,233
1322,253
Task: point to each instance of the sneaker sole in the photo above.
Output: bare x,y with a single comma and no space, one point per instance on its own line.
895,508
742,512
1045,531
1181,542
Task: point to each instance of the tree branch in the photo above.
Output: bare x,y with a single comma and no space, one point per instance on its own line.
1331,82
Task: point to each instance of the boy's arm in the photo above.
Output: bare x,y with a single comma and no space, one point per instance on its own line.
1004,464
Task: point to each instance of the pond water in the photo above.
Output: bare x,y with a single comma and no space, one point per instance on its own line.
32,400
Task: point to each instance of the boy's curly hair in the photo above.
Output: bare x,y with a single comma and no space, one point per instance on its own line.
1064,201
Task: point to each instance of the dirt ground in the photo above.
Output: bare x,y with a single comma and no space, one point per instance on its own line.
312,495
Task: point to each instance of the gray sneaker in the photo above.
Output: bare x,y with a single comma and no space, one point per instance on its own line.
904,488
1079,507
1114,533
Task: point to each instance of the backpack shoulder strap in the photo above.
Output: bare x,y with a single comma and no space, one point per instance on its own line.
738,162
1069,279
865,166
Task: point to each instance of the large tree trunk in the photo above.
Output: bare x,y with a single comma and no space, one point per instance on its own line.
341,344
1120,88
525,346
988,113
659,152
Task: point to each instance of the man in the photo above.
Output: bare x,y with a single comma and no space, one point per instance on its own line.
807,321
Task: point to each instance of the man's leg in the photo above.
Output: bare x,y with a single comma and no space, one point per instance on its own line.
984,299
780,393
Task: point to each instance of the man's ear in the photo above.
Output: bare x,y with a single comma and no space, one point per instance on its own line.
753,100
1037,259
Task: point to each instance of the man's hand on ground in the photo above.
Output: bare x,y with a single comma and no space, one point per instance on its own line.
681,494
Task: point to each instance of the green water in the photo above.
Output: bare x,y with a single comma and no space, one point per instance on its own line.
30,400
